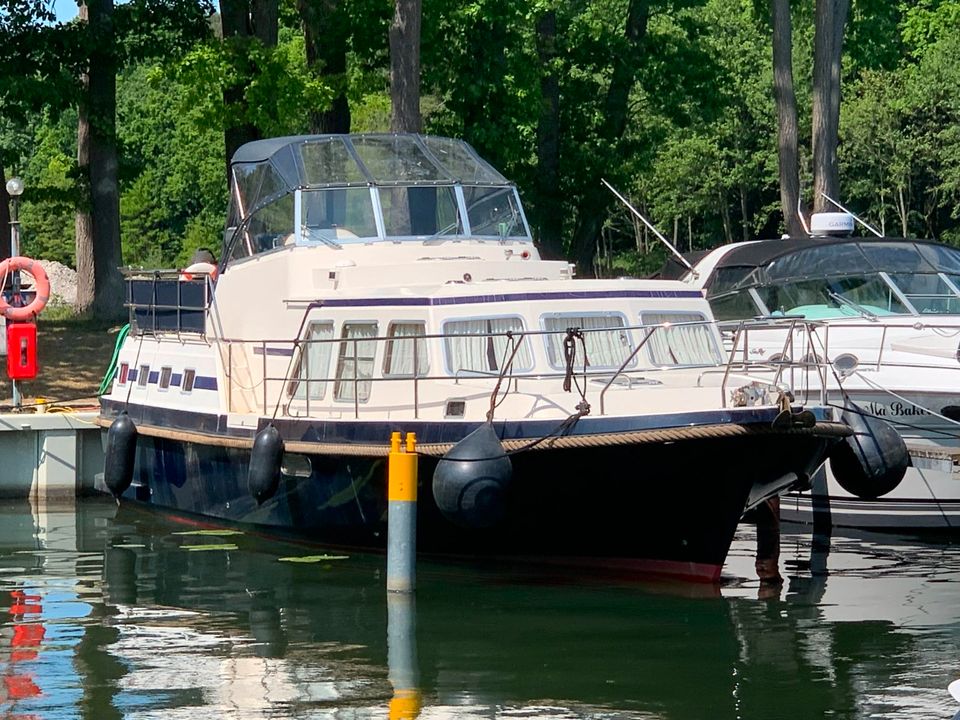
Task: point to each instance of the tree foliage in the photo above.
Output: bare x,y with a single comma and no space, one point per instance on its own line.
670,100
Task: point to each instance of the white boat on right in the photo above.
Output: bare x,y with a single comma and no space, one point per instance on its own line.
885,314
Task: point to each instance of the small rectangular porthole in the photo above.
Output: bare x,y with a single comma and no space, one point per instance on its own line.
189,377
455,409
124,372
143,375
165,374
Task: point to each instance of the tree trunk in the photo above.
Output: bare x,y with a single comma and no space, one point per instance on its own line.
99,283
405,67
4,217
595,200
549,202
325,33
744,214
265,21
236,27
831,17
786,100
725,218
902,211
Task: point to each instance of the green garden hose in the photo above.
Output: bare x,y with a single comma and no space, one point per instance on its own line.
112,369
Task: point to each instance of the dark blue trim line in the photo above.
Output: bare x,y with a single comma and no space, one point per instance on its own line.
519,297
282,352
202,382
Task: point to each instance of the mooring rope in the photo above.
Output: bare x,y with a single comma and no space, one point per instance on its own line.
823,429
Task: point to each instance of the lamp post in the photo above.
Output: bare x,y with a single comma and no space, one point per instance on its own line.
15,190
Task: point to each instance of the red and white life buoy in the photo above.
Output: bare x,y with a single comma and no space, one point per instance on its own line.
199,268
41,288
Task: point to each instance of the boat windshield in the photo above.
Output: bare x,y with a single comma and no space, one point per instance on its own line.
857,279
337,189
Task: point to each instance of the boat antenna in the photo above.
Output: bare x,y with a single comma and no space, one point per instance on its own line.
652,229
853,215
803,222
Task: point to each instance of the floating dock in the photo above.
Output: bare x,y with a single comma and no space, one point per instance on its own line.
49,455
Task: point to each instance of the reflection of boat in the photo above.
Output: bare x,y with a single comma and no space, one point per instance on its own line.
246,635
372,284
887,316
242,634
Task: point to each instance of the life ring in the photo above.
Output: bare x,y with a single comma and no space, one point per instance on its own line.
41,288
204,268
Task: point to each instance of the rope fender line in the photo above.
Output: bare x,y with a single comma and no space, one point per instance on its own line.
831,430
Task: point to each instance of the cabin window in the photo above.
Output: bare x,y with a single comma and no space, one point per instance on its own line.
404,356
355,364
832,297
189,378
124,372
165,374
483,345
734,306
338,215
605,348
313,367
143,375
419,211
494,211
927,293
682,339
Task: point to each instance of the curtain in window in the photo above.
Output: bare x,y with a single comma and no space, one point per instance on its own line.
475,347
315,362
682,344
604,349
399,353
356,361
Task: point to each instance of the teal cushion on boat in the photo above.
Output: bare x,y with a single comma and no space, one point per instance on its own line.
828,312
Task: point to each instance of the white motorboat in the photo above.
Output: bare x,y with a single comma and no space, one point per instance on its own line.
886,316
371,284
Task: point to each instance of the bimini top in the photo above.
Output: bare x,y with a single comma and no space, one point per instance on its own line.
374,159
826,278
341,189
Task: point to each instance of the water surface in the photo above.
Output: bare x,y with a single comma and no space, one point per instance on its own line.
110,613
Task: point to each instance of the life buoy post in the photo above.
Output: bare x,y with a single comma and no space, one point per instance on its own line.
21,332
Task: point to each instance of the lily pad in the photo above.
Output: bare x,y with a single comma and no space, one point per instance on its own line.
210,546
209,533
313,558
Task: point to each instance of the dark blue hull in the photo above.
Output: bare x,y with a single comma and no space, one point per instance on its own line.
652,508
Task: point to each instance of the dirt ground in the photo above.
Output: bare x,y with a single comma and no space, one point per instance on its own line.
73,355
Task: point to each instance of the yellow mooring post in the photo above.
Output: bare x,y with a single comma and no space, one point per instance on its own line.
402,514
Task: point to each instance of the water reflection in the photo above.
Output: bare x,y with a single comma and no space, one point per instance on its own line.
109,614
